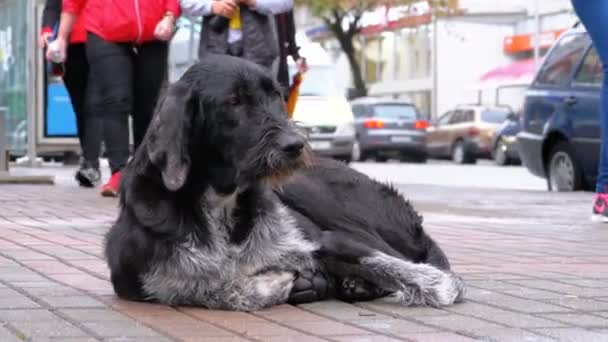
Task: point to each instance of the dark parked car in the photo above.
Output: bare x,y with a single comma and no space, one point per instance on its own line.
505,143
560,137
389,128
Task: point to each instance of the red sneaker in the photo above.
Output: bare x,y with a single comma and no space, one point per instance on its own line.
110,189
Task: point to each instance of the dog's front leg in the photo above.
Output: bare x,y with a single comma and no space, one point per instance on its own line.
252,293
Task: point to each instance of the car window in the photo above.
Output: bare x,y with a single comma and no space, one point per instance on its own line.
396,111
445,118
494,115
456,117
359,111
468,116
563,58
590,71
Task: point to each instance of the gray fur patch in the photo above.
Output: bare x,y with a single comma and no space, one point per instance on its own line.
222,275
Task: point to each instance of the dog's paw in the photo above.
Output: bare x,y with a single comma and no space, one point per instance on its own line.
274,285
446,289
309,286
357,289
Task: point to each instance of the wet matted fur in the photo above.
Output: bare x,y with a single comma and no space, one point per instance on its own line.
201,221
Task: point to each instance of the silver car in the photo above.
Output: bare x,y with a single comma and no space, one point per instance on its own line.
389,128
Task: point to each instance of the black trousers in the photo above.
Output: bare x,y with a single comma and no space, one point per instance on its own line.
83,97
129,78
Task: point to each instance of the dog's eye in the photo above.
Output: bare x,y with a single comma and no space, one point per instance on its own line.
234,100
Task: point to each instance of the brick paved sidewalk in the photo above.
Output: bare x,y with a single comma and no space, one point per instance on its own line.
537,270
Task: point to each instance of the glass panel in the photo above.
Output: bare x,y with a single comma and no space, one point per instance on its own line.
494,116
13,43
563,59
591,69
395,111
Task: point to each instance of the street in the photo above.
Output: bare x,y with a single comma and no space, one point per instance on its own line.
485,174
534,264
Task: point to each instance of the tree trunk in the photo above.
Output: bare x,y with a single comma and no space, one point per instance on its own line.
346,43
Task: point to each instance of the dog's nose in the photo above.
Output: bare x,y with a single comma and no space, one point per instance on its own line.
292,145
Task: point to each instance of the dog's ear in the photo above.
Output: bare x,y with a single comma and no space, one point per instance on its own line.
168,135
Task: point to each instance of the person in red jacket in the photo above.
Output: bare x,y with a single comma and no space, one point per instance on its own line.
75,78
127,49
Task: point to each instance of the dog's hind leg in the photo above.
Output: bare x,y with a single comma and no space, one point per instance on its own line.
415,284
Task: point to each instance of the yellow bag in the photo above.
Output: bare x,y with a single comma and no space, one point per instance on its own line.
235,21
294,92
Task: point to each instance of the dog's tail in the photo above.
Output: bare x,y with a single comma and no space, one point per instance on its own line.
415,284
420,284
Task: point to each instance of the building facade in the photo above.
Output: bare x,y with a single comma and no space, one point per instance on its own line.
440,62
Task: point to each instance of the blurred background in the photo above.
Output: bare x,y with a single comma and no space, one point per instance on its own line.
463,92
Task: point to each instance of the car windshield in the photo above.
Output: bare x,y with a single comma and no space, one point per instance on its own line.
396,111
494,115
318,81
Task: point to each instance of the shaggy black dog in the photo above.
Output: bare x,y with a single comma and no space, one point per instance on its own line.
200,222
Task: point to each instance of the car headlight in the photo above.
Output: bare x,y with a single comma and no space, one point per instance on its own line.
347,128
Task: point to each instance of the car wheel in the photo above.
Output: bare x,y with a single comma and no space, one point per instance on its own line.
460,155
356,151
500,153
564,173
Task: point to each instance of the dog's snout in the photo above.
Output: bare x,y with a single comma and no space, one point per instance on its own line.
292,145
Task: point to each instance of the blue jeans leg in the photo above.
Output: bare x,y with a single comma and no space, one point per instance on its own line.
594,16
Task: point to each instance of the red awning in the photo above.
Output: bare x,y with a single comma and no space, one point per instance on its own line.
516,72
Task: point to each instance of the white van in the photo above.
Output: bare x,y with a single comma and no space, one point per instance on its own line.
322,108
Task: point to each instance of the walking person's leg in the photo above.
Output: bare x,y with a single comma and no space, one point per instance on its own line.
594,16
151,69
93,127
111,67
76,80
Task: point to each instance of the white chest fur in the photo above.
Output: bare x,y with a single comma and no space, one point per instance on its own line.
195,272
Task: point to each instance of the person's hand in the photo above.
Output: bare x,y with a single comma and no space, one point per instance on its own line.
43,41
302,65
57,50
225,8
164,29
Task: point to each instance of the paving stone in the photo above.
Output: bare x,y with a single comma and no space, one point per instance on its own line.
566,289
8,336
465,325
71,301
516,304
509,318
574,334
582,304
580,319
364,338
507,253
439,337
120,329
344,311
391,326
396,310
514,335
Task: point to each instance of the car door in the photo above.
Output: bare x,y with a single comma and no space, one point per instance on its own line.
545,98
436,138
583,110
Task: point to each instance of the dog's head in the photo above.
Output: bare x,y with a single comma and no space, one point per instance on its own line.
224,122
